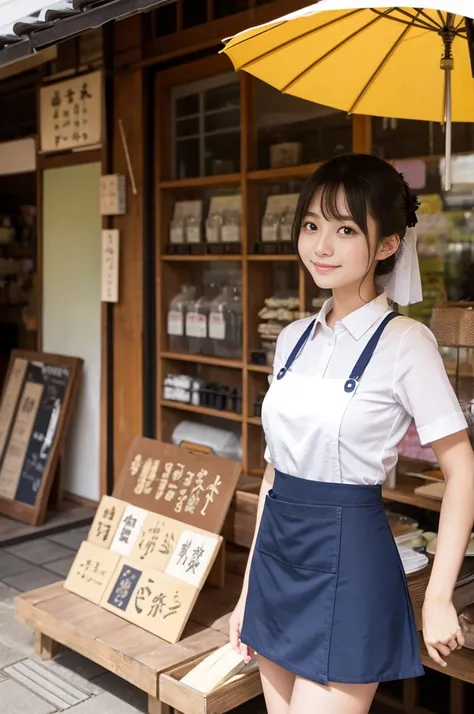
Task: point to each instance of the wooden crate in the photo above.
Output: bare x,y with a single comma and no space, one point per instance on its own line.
60,618
186,700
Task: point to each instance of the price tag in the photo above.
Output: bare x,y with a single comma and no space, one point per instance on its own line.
196,325
175,323
216,326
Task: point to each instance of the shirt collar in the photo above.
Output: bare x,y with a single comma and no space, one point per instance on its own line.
359,321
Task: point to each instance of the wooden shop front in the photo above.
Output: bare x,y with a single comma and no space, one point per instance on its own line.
213,162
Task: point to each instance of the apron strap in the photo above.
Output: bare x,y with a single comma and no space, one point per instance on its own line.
296,349
364,359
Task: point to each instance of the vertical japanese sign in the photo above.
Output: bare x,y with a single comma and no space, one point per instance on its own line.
71,113
110,265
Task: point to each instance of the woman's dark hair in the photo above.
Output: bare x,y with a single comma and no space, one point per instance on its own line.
371,186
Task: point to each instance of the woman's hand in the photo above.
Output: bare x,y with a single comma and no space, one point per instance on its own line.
235,626
441,630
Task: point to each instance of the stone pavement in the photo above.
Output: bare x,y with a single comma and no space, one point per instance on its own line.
70,683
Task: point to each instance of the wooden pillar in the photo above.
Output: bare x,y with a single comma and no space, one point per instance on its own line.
128,110
361,134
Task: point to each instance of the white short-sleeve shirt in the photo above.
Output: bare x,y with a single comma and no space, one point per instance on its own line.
405,380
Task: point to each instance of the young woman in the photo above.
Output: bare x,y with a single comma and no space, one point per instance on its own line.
325,603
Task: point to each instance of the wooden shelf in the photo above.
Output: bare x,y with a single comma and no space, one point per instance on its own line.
263,368
202,181
261,257
257,421
199,258
405,493
181,406
284,174
201,359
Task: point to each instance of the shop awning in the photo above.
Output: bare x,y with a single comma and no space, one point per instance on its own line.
28,26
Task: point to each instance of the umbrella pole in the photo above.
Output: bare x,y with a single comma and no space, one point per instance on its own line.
447,64
448,128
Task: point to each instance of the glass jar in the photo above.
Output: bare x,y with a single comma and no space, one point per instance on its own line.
230,231
270,228
177,231
225,323
193,230
213,228
197,322
177,311
286,226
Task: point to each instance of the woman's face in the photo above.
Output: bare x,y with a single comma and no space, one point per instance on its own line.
335,251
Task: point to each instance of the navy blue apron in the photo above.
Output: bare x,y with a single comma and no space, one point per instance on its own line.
327,597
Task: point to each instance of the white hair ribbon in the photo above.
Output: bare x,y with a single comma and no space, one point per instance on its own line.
403,285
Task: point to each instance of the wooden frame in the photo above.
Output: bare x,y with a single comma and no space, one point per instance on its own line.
35,515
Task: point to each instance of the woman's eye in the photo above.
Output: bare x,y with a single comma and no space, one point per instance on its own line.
309,226
346,231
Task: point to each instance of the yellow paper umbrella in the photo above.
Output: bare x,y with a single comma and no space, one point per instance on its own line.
402,62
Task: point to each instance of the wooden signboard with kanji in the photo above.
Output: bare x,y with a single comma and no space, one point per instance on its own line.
35,410
173,481
91,572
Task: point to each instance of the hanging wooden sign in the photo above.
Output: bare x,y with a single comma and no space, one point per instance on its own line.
71,113
193,488
35,411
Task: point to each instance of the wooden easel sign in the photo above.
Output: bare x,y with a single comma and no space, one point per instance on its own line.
35,411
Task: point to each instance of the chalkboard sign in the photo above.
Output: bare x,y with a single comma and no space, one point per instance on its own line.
35,409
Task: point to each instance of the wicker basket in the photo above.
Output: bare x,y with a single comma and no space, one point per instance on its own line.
453,324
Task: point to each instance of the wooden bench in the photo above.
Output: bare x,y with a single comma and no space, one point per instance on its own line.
60,618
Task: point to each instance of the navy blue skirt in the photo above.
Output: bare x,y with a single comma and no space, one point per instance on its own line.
328,598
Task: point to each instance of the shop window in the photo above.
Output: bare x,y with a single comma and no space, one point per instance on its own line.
206,127
402,138
445,230
194,13
294,131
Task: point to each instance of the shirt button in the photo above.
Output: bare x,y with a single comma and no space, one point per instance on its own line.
329,343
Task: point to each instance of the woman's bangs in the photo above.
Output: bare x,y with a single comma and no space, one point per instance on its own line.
342,199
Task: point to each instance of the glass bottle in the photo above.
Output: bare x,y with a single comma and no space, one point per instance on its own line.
286,225
225,323
177,311
230,231
197,322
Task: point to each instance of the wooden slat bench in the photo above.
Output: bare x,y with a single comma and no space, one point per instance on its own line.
60,618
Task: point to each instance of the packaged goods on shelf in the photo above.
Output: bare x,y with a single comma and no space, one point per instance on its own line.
176,321
221,442
186,389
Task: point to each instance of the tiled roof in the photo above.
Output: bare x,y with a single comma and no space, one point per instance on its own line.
27,26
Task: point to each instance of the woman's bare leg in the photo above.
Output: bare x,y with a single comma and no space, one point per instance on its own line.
277,686
312,698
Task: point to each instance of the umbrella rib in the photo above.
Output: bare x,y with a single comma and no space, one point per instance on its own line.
443,21
382,65
268,53
332,50
422,24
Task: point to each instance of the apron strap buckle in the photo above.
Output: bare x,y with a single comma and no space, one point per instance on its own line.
351,385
